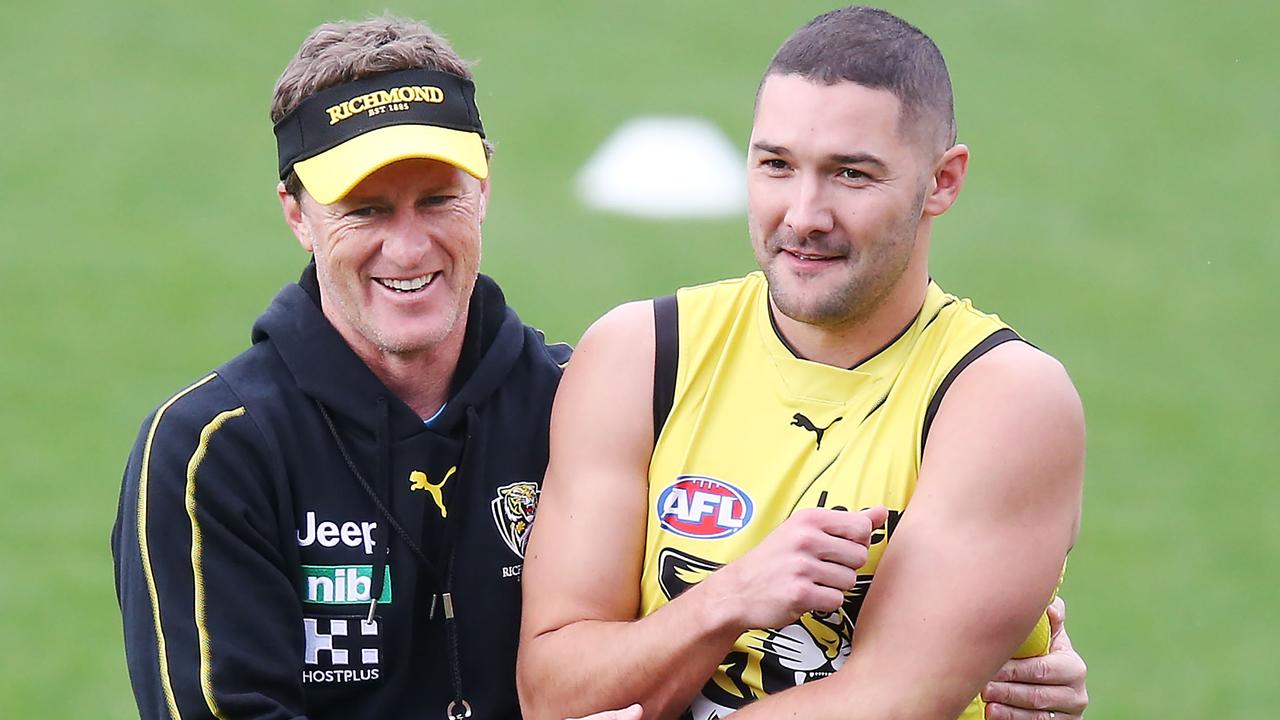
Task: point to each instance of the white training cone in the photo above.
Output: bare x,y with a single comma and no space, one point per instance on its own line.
666,167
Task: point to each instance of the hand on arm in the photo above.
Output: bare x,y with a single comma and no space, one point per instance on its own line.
976,556
806,563
1024,689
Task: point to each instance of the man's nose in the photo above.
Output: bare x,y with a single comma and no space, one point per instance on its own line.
809,210
406,239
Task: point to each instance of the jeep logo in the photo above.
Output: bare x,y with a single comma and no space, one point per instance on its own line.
330,534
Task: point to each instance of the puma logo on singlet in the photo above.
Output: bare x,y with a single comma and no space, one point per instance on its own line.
800,421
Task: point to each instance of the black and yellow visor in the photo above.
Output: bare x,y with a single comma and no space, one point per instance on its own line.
342,134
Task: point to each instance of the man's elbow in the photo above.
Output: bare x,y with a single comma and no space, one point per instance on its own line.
896,695
533,703
544,688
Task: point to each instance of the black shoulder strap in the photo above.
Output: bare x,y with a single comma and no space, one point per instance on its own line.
666,355
999,337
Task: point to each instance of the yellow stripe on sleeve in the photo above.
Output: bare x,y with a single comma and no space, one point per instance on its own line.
197,567
165,683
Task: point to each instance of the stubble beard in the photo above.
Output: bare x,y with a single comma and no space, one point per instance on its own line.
359,320
867,277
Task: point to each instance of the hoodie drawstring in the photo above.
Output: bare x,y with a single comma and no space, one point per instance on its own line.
458,708
382,476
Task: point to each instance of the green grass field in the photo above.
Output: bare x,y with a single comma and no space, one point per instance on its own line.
1116,212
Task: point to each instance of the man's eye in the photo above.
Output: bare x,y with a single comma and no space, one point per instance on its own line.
361,212
438,199
852,174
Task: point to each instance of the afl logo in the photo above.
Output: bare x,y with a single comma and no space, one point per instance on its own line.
703,508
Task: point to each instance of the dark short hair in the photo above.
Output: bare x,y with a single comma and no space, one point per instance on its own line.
878,50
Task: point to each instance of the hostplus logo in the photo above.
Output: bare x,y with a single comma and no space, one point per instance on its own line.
340,650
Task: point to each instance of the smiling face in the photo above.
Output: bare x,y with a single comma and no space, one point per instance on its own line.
397,257
837,196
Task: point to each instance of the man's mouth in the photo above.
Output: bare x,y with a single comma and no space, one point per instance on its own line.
810,257
407,285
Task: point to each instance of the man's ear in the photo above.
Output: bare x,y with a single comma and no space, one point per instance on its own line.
947,180
292,209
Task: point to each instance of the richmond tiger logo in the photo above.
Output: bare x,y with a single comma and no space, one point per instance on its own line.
811,648
513,511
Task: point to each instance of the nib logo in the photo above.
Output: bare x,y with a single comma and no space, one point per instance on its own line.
342,584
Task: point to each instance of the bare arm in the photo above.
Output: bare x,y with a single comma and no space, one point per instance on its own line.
580,652
976,557
582,649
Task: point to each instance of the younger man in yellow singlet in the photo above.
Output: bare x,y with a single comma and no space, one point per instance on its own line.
733,465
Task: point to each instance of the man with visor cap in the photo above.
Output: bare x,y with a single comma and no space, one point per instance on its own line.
332,523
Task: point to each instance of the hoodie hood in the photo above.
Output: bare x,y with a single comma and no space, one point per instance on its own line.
327,369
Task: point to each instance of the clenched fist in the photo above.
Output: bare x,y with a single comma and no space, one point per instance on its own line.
807,563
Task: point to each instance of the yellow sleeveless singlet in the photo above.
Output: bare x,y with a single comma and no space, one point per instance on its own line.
754,433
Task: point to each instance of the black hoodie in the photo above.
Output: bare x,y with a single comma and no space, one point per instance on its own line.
256,525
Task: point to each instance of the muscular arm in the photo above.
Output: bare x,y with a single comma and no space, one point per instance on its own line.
976,557
581,649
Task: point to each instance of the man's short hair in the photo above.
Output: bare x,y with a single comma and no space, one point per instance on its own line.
341,52
876,49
